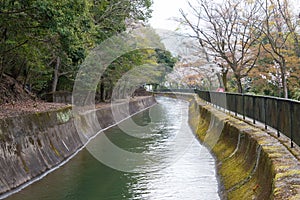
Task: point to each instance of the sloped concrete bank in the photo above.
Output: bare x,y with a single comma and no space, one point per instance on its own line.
32,145
251,164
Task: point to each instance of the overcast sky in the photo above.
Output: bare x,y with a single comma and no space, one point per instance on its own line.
164,10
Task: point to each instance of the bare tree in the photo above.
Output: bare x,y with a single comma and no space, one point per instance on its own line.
228,32
291,20
278,28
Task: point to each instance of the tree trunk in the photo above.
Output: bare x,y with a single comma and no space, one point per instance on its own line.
18,73
108,94
210,85
55,75
285,88
102,97
239,84
224,79
27,70
1,68
283,79
297,47
220,79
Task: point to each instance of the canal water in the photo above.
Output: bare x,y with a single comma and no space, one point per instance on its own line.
180,168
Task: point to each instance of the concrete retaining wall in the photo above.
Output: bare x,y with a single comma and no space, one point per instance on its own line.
251,163
33,144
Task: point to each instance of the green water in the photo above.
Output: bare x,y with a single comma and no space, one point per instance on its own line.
172,164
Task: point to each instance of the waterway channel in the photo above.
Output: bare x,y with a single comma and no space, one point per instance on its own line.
180,168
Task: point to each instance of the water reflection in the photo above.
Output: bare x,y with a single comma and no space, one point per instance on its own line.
180,168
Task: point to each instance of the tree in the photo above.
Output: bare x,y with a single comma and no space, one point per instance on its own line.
279,28
43,42
45,35
149,65
265,78
228,32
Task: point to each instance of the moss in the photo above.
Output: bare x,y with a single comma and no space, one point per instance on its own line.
54,149
275,155
272,148
273,151
235,169
233,173
296,197
63,116
282,168
289,173
222,150
277,191
251,164
201,132
249,190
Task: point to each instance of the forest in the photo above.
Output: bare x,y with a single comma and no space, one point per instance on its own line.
254,45
43,43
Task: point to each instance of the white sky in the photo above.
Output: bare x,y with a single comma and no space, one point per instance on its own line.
164,10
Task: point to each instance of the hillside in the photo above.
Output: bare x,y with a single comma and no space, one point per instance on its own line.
14,100
12,91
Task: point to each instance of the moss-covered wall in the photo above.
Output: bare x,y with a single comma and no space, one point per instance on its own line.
33,144
251,164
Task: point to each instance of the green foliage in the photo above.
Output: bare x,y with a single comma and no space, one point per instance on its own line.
166,58
296,94
135,68
35,33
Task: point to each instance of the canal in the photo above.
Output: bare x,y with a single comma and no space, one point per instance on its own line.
177,166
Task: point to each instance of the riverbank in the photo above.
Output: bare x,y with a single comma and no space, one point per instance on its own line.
251,163
15,109
175,166
34,143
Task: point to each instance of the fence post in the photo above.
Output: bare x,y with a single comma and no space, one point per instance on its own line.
228,97
253,107
244,107
291,122
224,100
265,108
278,117
235,102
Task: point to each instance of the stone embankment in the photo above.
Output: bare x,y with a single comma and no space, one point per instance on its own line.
33,144
251,163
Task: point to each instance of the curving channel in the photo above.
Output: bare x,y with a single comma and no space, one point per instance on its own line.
176,165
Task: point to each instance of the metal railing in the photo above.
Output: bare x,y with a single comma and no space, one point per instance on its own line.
278,113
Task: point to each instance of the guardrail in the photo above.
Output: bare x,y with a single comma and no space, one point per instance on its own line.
278,113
